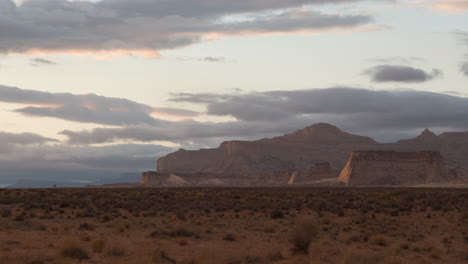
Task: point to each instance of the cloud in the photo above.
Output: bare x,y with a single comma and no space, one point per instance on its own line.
457,6
148,26
464,68
398,73
396,59
178,132
87,108
60,162
463,35
23,138
213,59
12,140
41,61
264,114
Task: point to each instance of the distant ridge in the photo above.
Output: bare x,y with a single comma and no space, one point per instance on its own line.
303,148
325,133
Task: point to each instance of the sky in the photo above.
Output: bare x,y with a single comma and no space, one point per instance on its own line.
92,89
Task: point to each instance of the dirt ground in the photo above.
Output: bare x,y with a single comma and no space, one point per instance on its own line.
234,226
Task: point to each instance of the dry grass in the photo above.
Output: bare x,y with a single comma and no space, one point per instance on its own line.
229,226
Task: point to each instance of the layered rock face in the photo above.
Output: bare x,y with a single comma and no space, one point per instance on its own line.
384,168
302,149
321,174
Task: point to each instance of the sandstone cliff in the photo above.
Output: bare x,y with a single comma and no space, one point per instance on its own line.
321,174
303,148
390,168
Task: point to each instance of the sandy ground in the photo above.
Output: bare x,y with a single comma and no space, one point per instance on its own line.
233,226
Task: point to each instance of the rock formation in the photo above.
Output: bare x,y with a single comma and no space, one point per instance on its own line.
299,150
321,174
302,149
390,168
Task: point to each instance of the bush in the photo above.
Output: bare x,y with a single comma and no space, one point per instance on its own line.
86,226
276,214
229,237
181,232
37,261
380,240
116,252
356,258
20,218
6,213
98,245
74,252
302,235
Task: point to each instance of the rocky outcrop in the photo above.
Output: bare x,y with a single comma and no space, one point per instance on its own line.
152,178
321,174
390,168
303,148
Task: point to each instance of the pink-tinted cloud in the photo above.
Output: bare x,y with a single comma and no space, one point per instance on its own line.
144,27
456,6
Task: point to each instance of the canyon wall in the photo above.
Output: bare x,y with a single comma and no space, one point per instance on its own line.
304,148
321,174
391,168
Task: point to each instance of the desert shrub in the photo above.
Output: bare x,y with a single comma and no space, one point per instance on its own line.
379,240
160,256
74,252
182,242
86,226
20,218
302,235
360,258
464,255
229,237
153,234
252,260
39,260
116,252
276,214
422,246
269,229
275,256
98,245
181,232
181,216
6,212
405,246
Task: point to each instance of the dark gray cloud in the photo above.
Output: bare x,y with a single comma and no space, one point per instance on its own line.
213,59
152,25
23,138
41,61
399,73
464,68
183,133
60,162
10,141
264,114
206,8
89,108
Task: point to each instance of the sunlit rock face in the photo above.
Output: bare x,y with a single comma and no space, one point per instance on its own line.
390,168
321,174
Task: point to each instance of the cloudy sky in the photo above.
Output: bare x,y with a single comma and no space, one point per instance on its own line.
95,88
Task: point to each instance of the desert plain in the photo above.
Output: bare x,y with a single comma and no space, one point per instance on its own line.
234,225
